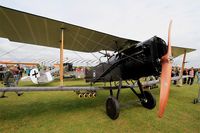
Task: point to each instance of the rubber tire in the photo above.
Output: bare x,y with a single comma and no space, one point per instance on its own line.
112,108
151,101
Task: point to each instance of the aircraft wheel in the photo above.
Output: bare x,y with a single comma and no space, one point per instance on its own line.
195,100
149,102
80,95
112,108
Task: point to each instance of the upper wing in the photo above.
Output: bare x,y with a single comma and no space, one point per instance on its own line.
28,28
176,51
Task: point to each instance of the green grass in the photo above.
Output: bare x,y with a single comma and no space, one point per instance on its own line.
58,112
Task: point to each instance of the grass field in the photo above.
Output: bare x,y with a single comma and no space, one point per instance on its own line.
58,112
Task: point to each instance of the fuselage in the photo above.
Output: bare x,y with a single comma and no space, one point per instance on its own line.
139,60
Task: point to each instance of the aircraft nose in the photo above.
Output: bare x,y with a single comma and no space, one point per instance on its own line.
161,47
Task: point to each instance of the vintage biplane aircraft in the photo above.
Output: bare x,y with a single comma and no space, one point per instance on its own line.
131,61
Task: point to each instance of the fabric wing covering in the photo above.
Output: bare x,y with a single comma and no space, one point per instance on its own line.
24,27
27,28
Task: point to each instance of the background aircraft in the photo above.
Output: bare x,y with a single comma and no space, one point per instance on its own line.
133,59
38,77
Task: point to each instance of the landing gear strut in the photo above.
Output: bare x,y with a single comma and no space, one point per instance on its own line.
112,104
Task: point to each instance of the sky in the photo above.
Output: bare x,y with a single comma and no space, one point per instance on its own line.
137,20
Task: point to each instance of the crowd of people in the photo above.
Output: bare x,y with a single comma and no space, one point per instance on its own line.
18,72
192,74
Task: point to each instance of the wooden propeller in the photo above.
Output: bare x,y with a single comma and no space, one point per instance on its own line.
165,76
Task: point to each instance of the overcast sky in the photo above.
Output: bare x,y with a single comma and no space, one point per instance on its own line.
137,20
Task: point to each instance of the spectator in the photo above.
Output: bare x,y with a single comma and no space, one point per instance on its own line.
198,76
16,73
191,78
185,72
1,72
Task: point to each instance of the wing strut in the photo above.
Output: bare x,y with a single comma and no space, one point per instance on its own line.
61,56
180,82
183,64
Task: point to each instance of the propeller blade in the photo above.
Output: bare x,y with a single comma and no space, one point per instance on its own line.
165,76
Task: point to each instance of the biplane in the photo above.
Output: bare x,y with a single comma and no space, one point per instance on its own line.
131,60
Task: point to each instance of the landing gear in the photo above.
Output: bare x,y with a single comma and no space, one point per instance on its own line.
146,98
149,101
112,107
112,103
